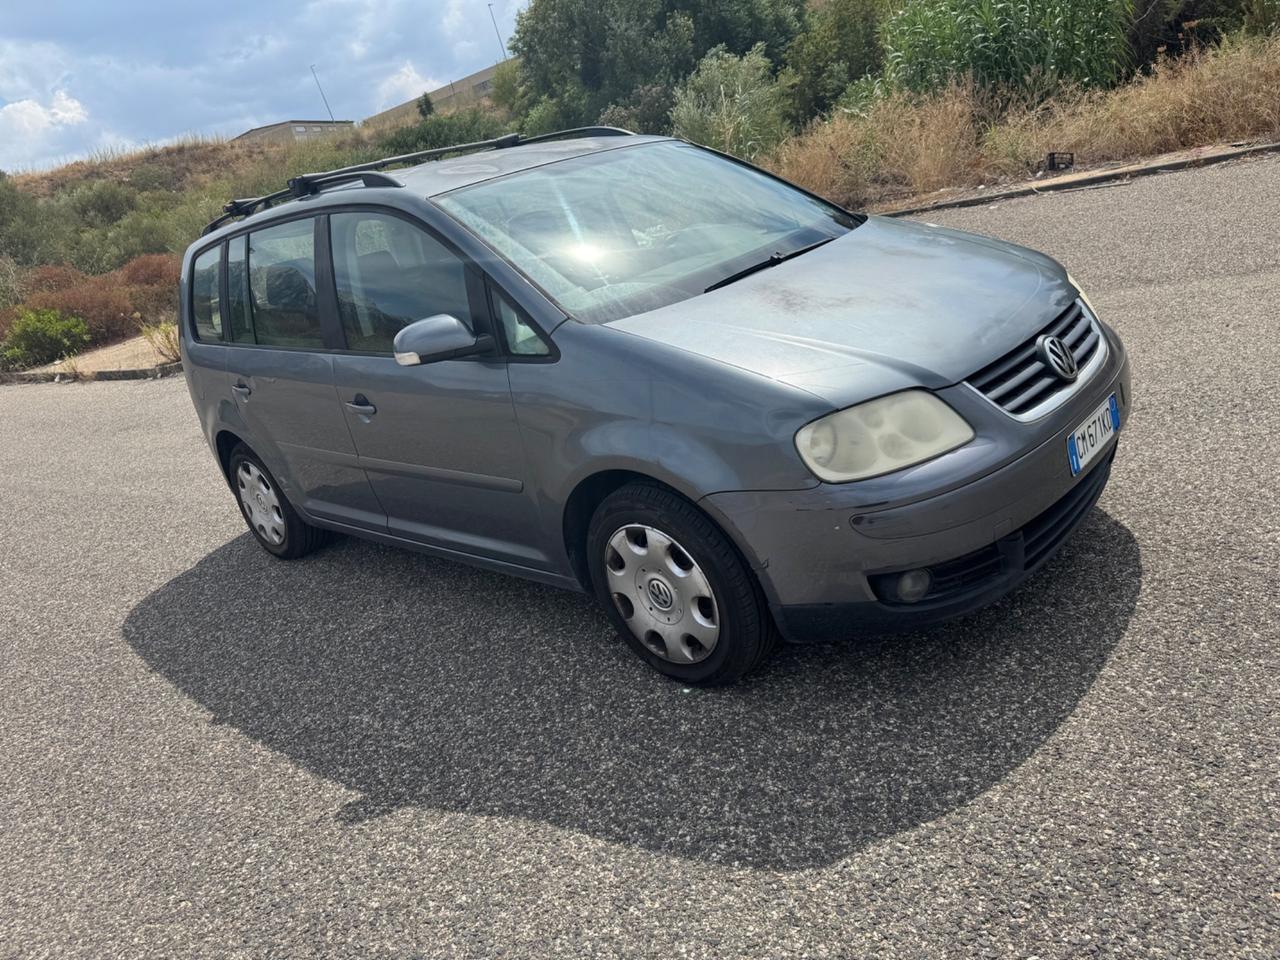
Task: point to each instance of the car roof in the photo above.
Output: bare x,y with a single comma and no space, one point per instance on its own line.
436,177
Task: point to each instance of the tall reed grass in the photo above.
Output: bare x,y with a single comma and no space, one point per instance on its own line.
901,143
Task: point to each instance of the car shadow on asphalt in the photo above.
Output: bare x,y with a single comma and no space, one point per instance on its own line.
423,683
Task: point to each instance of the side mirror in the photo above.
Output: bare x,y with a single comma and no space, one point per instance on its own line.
441,337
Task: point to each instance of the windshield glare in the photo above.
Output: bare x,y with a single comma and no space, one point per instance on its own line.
617,233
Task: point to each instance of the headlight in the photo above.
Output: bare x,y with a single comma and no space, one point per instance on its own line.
1083,296
881,436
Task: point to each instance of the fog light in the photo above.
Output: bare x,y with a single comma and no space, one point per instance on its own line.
913,585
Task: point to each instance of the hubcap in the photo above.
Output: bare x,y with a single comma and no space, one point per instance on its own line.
662,594
260,503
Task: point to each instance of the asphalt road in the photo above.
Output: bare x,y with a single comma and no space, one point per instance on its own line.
204,752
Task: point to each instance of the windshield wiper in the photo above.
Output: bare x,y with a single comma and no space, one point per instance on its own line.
772,261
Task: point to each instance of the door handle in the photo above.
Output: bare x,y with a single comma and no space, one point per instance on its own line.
360,404
242,389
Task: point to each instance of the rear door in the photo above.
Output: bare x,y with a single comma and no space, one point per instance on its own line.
280,368
439,442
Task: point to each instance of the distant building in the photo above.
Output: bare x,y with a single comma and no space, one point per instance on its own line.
291,131
467,92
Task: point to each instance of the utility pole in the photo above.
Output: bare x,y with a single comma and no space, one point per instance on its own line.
502,47
321,89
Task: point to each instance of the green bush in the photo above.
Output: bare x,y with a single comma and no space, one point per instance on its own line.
733,104
647,110
579,57
838,46
42,336
101,203
1033,46
443,130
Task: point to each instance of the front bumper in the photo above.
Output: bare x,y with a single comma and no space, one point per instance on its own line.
822,555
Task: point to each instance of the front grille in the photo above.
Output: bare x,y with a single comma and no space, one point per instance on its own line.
1018,382
1017,554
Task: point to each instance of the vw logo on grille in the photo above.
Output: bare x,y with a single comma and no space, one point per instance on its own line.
660,594
1057,356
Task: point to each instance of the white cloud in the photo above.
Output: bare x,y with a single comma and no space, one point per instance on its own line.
455,17
29,118
29,129
405,84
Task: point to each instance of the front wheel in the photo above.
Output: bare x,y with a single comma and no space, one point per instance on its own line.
675,587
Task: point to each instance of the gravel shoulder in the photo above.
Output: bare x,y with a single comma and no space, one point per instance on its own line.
375,753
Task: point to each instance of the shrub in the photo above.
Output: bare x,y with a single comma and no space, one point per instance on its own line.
442,130
425,107
52,277
838,45
163,338
42,336
101,203
732,103
103,305
1015,45
154,269
648,110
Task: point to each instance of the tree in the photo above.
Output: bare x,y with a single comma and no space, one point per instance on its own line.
425,107
838,45
732,103
578,57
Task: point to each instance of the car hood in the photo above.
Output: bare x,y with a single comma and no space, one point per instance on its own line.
888,306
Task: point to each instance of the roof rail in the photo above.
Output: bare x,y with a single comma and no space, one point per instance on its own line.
310,183
579,132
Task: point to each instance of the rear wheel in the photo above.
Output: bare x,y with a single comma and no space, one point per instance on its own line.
268,512
675,587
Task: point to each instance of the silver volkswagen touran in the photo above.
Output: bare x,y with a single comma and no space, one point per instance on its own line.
636,367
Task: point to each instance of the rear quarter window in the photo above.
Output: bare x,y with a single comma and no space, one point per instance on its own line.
206,308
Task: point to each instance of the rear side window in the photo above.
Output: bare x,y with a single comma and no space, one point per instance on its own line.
205,305
282,285
390,273
239,316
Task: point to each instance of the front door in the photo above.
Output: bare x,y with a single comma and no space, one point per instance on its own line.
439,442
280,372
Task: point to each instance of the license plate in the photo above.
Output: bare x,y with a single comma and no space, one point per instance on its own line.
1089,439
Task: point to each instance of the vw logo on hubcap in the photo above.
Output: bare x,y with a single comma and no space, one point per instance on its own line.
1057,356
660,594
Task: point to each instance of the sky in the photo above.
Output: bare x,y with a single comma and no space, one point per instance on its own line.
99,75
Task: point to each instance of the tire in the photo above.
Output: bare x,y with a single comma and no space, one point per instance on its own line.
270,516
675,587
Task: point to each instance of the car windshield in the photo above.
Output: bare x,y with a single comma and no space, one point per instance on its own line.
620,232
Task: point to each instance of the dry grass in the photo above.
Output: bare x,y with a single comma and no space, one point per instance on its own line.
900,144
163,337
1225,93
911,145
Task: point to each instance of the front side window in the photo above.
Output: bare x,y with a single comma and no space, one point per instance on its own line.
390,273
616,233
206,307
282,285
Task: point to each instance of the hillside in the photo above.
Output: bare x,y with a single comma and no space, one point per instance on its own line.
96,243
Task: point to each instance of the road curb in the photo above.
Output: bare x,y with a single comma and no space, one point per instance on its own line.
1088,180
51,376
